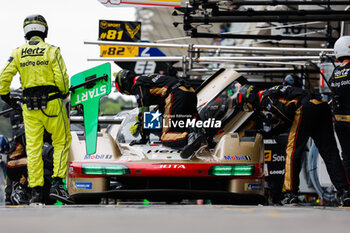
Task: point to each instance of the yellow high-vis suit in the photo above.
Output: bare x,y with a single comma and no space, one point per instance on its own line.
41,65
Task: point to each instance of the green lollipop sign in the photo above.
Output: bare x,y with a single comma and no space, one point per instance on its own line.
87,88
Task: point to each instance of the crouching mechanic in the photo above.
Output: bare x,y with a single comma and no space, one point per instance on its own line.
45,82
176,100
306,115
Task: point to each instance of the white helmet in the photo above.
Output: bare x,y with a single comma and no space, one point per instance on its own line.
342,47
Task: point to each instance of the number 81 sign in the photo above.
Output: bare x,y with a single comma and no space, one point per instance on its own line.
110,30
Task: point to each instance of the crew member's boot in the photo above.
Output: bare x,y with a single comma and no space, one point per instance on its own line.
290,198
37,195
20,194
345,198
195,139
57,189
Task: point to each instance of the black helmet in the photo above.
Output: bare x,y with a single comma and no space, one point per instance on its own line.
248,98
35,25
293,80
124,80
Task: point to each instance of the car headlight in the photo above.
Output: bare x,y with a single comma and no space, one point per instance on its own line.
232,170
105,169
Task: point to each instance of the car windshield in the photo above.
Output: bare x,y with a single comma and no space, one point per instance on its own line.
124,135
223,106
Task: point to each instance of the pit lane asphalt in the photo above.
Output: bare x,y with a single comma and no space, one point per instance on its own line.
173,218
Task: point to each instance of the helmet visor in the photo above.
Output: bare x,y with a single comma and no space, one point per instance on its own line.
34,27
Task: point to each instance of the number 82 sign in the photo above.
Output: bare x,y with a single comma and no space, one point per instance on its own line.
118,51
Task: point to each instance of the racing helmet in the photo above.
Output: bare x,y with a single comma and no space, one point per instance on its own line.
35,25
4,144
124,80
247,98
293,80
342,47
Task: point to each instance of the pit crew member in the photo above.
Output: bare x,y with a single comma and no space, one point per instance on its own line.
44,81
306,115
340,86
176,100
293,80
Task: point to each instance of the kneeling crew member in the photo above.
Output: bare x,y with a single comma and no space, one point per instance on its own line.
306,115
44,81
174,97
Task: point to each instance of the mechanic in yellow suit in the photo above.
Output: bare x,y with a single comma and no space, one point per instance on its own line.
45,83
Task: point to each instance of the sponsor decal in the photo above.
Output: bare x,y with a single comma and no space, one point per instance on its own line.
278,158
273,158
104,24
268,155
252,187
171,166
163,151
238,157
341,73
29,52
270,141
342,83
208,160
83,185
96,156
277,172
32,63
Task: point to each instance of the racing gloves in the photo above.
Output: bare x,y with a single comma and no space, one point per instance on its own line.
134,129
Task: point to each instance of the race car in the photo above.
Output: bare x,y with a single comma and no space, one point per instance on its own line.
232,172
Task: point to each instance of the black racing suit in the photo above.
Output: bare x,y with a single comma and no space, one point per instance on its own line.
15,116
307,115
340,84
17,129
176,100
